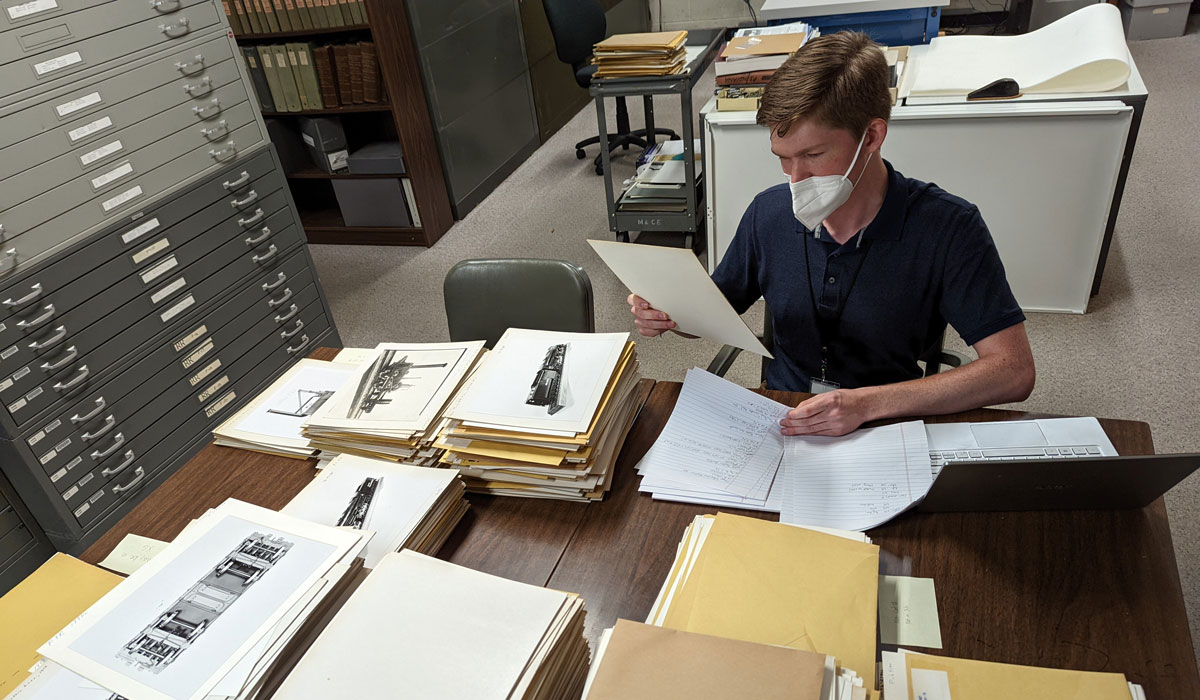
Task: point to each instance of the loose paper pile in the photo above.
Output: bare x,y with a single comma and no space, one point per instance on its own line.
753,54
545,415
406,507
772,583
647,54
391,407
423,628
209,617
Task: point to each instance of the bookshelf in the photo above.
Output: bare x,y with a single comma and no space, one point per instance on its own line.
404,117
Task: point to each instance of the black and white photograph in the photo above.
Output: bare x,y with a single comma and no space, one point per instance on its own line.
549,387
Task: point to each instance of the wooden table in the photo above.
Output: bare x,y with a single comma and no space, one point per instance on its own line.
1089,590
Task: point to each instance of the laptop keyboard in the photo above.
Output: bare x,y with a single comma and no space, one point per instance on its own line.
939,458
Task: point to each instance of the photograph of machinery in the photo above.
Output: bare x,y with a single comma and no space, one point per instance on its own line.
548,386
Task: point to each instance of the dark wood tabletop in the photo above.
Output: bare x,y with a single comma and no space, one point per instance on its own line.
1091,590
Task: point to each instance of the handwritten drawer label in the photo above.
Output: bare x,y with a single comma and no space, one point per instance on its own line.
77,104
168,290
17,405
57,63
58,475
30,8
155,247
34,394
45,459
135,233
159,269
112,175
222,403
198,354
6,384
213,389
178,308
70,493
103,152
9,352
122,198
20,374
190,338
90,128
203,374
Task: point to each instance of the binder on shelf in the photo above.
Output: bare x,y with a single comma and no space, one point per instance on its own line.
258,78
250,15
323,64
359,10
306,20
287,79
347,13
297,76
275,85
333,13
235,22
268,8
370,65
308,75
264,25
289,7
281,15
341,68
356,73
411,200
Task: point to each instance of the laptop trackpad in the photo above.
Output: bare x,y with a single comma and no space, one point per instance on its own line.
1008,434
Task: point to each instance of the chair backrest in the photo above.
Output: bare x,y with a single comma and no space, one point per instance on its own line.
484,298
577,25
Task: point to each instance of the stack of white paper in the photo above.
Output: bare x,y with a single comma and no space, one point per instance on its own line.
423,628
545,415
405,506
211,615
392,406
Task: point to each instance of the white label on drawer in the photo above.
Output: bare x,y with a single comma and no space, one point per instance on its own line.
51,427
16,405
155,247
30,8
216,386
63,445
20,374
190,338
159,269
78,103
178,308
112,175
203,374
6,384
34,394
199,353
73,463
168,290
58,475
90,128
57,63
106,150
222,403
70,493
3,327
122,198
135,233
81,510
84,481
45,459
96,496
36,438
9,352
1160,10
308,139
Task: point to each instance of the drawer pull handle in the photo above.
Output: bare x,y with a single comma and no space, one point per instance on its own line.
175,30
220,131
118,440
258,216
250,198
68,386
69,357
266,233
9,262
299,346
288,334
80,420
226,153
164,6
212,109
109,423
141,474
31,323
203,88
192,67
237,184
29,298
113,471
284,318
271,252
268,286
287,294
59,334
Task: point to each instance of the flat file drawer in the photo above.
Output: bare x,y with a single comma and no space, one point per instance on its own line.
186,342
52,67
9,519
190,293
88,99
84,144
31,242
102,343
15,541
19,13
28,294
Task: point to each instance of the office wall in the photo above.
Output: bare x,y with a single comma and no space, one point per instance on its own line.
699,14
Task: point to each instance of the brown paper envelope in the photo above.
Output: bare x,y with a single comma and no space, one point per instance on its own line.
983,680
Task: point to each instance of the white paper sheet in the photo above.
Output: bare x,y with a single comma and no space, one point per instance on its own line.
674,282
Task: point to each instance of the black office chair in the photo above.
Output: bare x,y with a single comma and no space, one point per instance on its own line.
577,25
484,298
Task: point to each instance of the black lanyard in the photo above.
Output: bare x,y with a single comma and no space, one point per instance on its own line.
828,328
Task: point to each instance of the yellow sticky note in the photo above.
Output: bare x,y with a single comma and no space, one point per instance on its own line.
132,553
908,612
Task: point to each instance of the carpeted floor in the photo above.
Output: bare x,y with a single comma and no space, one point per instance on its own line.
1131,356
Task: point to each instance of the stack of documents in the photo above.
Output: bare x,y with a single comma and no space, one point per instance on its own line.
392,406
772,583
752,55
661,182
545,415
636,661
636,55
911,675
423,628
209,617
272,422
406,507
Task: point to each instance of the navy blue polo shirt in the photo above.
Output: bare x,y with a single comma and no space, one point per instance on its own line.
926,260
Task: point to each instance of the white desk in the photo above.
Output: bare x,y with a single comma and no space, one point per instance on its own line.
788,9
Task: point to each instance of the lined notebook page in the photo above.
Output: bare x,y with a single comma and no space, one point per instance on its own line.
857,481
720,437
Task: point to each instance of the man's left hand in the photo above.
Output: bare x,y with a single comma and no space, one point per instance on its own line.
833,413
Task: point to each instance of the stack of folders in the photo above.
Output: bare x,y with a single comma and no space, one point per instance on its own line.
392,406
643,662
406,507
638,55
419,627
660,183
272,422
759,581
753,54
910,675
211,616
545,415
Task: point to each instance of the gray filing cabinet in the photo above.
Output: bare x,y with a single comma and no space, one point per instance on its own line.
154,275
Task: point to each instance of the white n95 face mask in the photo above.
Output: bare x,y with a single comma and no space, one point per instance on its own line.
815,198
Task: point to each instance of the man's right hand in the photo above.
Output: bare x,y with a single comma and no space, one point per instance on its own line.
649,320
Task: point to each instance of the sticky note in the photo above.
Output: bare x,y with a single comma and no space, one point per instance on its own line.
908,612
132,553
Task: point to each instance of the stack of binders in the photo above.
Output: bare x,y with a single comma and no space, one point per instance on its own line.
303,77
640,55
272,16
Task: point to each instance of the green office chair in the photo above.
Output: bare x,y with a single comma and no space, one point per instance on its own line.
484,298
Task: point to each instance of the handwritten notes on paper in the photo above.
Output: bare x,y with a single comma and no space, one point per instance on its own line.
132,553
908,612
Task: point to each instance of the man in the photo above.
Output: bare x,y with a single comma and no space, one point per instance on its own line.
862,268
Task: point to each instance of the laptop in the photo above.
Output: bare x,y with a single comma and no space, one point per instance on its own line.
1007,441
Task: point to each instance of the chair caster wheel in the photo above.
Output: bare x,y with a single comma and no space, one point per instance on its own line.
599,169
580,154
624,147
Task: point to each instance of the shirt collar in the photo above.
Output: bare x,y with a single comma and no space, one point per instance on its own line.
888,222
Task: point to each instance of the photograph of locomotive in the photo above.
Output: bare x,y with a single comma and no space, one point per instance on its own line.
385,377
548,387
356,512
